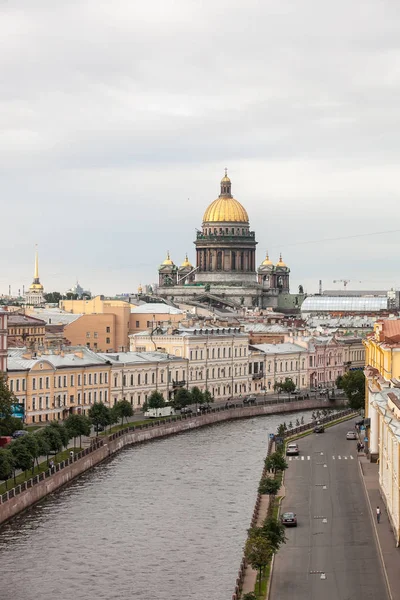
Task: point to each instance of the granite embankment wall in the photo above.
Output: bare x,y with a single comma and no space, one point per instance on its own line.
25,495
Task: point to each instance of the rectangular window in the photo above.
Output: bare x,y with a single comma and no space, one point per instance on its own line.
137,324
71,399
105,377
72,381
12,385
40,403
94,396
95,379
34,384
90,397
105,395
17,385
47,383
79,397
23,385
88,334
138,400
34,404
79,379
90,379
96,335
47,402
101,378
84,397
148,323
108,329
65,381
84,379
107,340
40,383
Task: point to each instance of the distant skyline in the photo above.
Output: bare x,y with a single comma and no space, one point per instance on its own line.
117,120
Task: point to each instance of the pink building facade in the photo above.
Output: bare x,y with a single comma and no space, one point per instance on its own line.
3,340
325,362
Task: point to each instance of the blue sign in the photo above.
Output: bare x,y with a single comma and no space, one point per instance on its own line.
365,439
362,428
271,436
18,411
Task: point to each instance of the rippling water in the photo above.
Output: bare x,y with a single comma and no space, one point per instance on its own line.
161,521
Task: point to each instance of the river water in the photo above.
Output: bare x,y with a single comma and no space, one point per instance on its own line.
165,520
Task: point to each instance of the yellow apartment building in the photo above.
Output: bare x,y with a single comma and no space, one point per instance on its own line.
25,330
382,407
147,316
272,363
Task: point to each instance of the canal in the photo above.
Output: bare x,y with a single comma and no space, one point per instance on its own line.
165,520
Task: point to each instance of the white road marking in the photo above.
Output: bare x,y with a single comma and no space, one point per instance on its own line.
345,457
302,458
351,457
322,576
324,520
308,458
324,487
339,457
290,458
325,466
333,457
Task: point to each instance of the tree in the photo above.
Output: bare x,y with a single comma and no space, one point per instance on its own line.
258,552
53,297
43,443
77,426
113,416
288,385
124,409
7,399
62,431
197,395
22,457
269,485
353,384
274,531
53,439
208,397
6,464
182,398
249,596
30,441
276,462
9,425
99,415
155,400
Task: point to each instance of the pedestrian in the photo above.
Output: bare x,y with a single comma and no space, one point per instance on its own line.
358,446
378,514
71,455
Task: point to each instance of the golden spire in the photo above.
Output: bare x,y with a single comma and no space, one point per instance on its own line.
36,274
266,262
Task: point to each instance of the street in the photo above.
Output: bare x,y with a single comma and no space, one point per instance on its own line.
332,554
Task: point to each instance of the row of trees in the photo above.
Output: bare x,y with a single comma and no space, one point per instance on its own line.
25,451
353,385
183,397
265,541
287,386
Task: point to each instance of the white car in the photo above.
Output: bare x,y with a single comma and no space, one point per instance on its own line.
351,435
292,449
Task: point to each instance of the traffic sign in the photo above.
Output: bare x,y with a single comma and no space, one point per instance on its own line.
271,436
365,439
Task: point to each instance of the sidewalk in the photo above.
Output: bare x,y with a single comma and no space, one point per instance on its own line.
390,555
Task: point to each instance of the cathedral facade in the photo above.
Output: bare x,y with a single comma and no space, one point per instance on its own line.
226,264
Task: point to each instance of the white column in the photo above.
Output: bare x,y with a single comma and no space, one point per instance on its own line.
373,432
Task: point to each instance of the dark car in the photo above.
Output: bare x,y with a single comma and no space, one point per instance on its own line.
19,433
289,519
186,410
319,428
249,400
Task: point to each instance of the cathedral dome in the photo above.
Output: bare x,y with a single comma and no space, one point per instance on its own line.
225,209
267,262
168,260
186,263
281,263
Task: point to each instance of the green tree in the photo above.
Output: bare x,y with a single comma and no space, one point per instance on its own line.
30,441
269,485
7,399
208,397
288,385
276,462
53,297
197,395
77,426
249,596
258,552
62,431
353,384
53,439
281,430
6,464
182,398
22,457
99,415
155,400
275,532
9,425
113,417
339,382
124,409
43,443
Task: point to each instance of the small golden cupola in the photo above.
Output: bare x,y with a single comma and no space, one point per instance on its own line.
186,263
281,264
168,260
267,262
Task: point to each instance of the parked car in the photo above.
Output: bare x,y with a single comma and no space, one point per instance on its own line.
19,433
250,400
319,428
289,519
292,449
351,435
186,410
204,408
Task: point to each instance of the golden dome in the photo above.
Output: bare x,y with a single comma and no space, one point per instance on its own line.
140,289
225,209
266,262
168,260
186,262
36,286
281,263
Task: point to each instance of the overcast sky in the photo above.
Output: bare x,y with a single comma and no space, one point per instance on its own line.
118,118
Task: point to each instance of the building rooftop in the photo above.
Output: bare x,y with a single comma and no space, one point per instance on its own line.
344,304
207,330
22,359
55,316
284,348
128,358
263,328
15,319
156,309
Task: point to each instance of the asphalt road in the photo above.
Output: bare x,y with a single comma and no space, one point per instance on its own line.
334,537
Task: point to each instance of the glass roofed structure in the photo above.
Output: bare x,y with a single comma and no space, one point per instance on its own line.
343,304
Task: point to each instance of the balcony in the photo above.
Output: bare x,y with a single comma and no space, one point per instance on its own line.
219,237
178,383
258,375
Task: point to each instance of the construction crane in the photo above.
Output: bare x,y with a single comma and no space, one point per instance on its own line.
345,281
